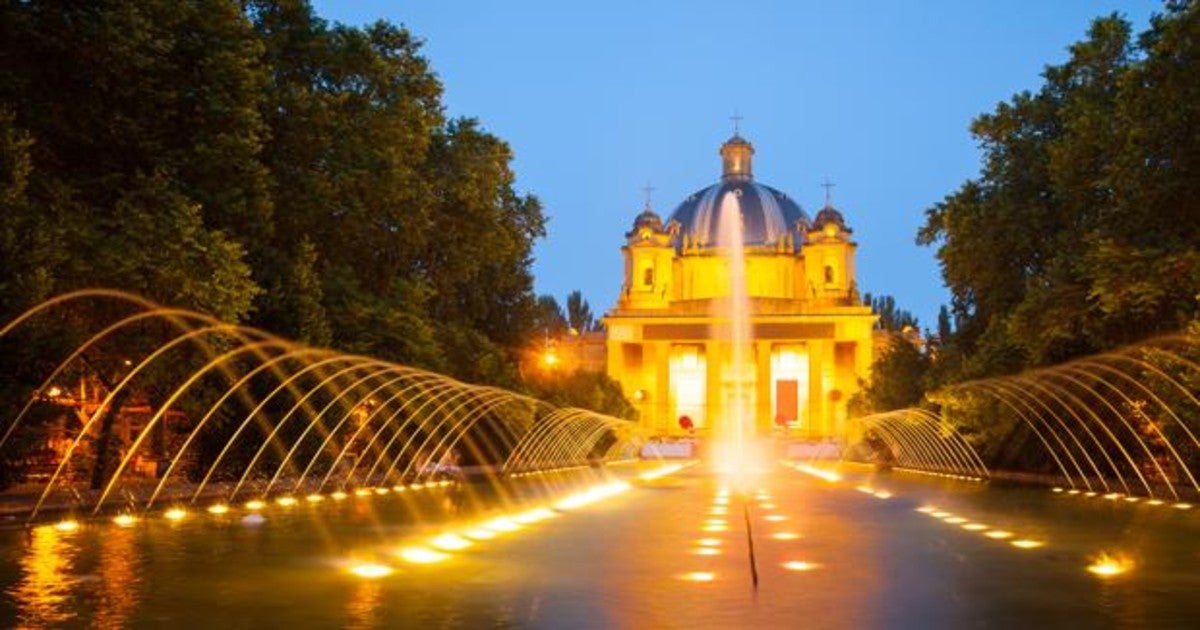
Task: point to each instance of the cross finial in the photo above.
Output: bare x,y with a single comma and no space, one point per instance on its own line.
737,120
827,185
646,190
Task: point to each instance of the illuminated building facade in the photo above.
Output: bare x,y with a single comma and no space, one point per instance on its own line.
668,340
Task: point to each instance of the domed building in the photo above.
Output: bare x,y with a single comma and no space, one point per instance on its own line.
668,337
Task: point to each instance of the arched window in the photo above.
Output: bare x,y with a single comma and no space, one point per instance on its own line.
648,277
828,274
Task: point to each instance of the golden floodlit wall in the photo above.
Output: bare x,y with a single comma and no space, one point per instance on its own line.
667,338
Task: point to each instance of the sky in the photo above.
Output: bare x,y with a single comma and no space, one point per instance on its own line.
600,99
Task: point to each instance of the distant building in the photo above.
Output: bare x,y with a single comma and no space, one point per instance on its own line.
668,335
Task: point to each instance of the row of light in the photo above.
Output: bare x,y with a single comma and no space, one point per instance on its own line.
944,475
718,523
827,475
972,526
440,547
1113,496
878,494
546,471
176,514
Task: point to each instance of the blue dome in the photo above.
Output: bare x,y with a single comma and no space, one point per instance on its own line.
767,214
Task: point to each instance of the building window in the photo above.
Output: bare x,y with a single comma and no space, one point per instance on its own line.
828,274
648,277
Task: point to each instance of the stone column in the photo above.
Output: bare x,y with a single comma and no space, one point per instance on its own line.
816,393
764,419
662,390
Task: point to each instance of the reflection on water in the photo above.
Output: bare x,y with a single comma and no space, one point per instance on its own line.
119,578
43,596
364,605
880,563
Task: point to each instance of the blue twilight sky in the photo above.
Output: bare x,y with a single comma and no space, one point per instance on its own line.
599,98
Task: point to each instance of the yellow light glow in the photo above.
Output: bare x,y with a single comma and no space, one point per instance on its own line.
314,498
1089,494
371,571
714,528
1073,491
550,359
286,501
866,489
502,524
382,490
698,576
479,533
999,534
422,555
67,525
721,501
955,520
715,521
1110,565
218,508
1155,502
175,514
1025,543
660,472
775,518
799,565
926,509
767,506
939,514
1056,489
362,492
124,520
339,496
974,527
718,511
533,516
1112,496
450,542
817,472
706,551
709,542
255,505
1182,506
1132,499
785,536
883,494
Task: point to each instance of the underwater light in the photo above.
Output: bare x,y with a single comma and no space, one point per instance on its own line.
422,555
785,536
175,514
286,501
999,534
218,508
450,542
799,565
1025,543
370,570
255,504
339,496
1109,566
698,576
67,525
124,520
314,498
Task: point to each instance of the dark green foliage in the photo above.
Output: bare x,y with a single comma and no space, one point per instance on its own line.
1082,232
897,378
891,318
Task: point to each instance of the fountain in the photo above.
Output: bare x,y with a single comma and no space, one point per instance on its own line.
736,449
258,415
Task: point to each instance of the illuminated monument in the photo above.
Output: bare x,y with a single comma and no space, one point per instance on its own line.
668,341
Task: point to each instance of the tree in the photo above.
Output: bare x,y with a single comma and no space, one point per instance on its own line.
1080,234
897,379
579,313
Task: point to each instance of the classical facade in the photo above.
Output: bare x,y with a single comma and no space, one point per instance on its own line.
668,339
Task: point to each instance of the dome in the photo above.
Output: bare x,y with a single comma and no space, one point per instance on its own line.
829,214
767,214
648,218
